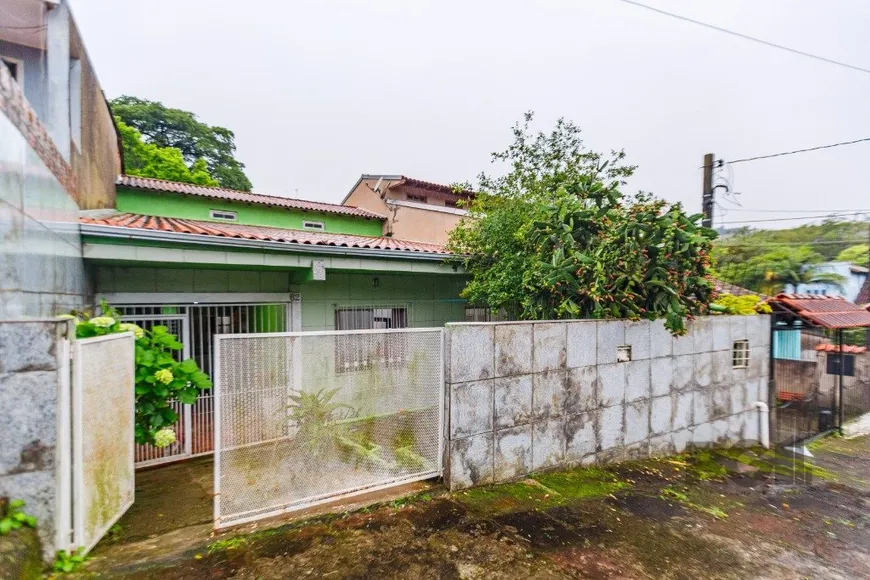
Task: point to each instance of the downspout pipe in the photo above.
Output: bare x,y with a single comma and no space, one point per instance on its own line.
763,426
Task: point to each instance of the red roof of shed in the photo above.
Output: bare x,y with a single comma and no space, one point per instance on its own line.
827,311
847,348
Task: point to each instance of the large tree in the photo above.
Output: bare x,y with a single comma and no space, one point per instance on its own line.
150,160
555,237
182,130
771,268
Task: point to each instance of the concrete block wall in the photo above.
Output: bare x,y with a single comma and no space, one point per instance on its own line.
30,382
526,396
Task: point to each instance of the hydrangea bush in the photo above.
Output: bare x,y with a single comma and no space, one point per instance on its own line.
160,378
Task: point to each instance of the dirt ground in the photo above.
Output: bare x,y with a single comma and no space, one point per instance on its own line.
708,514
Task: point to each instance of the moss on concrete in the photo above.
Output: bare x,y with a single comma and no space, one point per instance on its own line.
20,554
588,483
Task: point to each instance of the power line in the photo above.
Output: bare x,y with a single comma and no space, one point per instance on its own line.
784,153
726,242
847,210
806,217
747,37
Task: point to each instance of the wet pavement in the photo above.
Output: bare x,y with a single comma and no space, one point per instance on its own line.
704,515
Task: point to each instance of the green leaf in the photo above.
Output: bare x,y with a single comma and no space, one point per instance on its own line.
188,396
189,366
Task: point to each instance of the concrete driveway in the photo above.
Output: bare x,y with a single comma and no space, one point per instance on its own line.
704,515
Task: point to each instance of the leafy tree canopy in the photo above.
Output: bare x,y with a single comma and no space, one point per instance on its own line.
150,160
166,127
555,238
769,260
857,254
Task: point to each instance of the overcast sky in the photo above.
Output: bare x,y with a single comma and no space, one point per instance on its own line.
318,92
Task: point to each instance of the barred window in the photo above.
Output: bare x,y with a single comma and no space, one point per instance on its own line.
362,351
740,354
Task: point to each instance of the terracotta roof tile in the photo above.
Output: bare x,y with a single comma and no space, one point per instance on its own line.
826,311
266,234
864,294
162,185
419,183
847,348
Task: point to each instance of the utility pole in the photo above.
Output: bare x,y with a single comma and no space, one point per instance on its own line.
707,192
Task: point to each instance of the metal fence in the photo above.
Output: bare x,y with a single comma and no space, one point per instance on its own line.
195,325
821,379
303,418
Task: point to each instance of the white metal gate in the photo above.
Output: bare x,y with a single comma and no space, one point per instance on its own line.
102,435
195,325
303,418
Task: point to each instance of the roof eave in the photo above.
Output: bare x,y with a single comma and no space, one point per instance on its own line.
118,232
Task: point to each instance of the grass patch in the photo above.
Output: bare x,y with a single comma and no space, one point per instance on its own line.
779,464
233,543
509,497
704,466
588,483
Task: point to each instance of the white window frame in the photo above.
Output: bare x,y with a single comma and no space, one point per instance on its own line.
416,198
20,68
740,356
312,225
222,215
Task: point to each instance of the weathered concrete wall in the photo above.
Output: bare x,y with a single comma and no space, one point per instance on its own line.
528,396
30,383
41,268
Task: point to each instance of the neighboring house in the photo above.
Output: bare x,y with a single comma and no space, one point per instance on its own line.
224,260
415,210
59,154
853,278
45,54
207,261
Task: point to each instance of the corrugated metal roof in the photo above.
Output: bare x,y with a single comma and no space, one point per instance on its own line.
827,311
162,185
847,348
202,228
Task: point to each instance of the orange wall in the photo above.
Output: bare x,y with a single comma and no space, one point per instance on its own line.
405,223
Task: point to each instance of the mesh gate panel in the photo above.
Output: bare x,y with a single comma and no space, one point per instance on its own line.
102,428
306,417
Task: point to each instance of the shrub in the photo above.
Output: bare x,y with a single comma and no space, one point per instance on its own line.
160,377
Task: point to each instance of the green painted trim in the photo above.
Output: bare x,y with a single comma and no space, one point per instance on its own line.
127,251
197,208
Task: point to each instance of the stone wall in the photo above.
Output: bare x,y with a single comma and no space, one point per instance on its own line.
528,396
30,383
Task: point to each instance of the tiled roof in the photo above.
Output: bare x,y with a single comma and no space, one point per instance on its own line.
241,196
411,182
847,348
864,294
726,288
266,234
419,183
826,311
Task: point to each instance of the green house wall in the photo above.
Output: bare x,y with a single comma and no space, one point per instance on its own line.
197,208
431,299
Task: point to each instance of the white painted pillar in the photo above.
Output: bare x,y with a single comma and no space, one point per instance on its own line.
57,118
